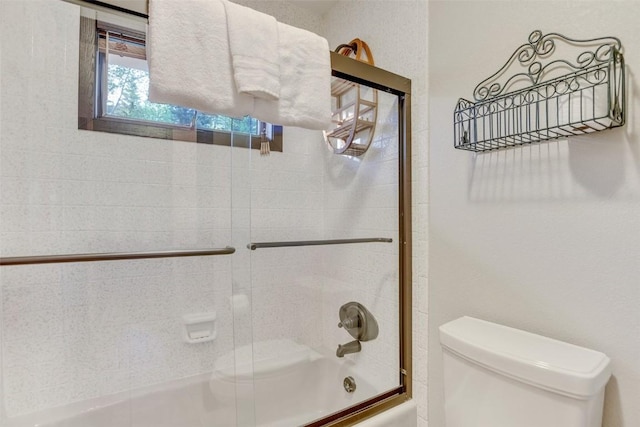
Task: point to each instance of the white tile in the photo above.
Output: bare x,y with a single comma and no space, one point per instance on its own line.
65,190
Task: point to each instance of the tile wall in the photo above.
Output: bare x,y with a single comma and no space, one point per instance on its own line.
74,332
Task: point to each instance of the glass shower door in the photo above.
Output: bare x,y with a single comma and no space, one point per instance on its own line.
127,328
247,339
325,247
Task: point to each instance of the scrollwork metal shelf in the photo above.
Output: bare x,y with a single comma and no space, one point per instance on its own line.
545,98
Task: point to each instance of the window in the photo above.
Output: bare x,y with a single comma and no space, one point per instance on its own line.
114,83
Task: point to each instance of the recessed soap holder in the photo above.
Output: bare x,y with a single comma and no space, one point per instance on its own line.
199,327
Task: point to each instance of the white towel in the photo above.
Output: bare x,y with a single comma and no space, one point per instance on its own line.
189,57
305,82
253,39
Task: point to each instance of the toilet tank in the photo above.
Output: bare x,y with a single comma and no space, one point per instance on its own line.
496,376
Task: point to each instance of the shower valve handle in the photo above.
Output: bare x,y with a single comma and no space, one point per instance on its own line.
350,323
358,321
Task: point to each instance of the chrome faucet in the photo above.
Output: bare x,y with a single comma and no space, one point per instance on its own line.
348,348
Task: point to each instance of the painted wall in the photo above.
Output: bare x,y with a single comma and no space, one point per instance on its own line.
396,31
542,238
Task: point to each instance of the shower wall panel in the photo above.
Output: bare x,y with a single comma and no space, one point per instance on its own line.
287,12
77,331
286,204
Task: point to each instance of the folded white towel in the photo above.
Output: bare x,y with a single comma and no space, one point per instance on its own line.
253,39
305,82
189,57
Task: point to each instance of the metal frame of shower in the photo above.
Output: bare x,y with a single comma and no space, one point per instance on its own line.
377,78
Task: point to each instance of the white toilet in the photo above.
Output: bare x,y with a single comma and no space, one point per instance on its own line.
496,376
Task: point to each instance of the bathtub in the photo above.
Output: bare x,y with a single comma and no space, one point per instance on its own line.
287,391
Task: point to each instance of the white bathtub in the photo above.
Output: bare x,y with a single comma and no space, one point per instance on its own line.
273,392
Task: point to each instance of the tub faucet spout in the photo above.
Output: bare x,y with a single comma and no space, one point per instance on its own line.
348,348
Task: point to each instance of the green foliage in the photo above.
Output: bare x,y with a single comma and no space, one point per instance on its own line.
128,98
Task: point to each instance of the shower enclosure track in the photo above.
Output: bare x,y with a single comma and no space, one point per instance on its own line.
254,246
112,256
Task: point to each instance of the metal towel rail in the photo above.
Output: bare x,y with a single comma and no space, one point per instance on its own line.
254,246
112,256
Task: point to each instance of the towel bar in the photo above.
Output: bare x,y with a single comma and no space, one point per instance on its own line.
254,246
111,256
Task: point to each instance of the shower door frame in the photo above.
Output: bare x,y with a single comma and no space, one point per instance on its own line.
386,81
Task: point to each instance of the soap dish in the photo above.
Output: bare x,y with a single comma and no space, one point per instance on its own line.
199,327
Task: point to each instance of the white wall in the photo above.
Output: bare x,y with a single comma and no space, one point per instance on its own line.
542,238
396,31
75,332
285,203
286,12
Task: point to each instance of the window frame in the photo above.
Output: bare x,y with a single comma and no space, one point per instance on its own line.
92,83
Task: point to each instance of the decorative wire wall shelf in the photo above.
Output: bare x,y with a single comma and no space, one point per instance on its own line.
545,98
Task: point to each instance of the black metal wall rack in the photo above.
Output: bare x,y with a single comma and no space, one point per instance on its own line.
547,96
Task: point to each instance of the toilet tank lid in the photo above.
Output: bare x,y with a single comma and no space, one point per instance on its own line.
543,362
